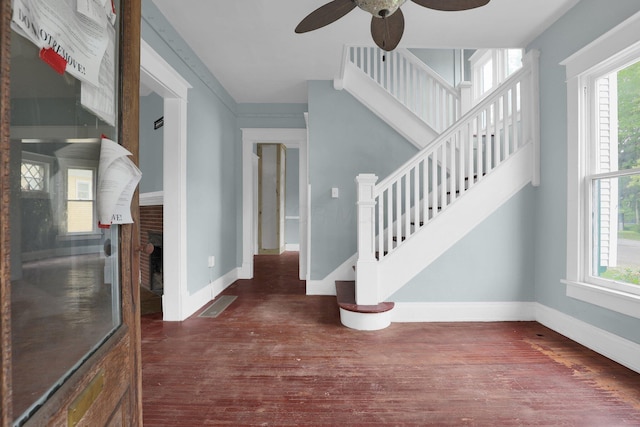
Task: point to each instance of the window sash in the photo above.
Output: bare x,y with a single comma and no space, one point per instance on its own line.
604,225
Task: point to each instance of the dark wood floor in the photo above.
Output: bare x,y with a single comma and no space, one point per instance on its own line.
276,357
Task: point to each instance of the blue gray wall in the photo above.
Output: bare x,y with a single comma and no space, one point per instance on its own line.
151,143
446,62
271,116
491,263
581,25
214,175
345,139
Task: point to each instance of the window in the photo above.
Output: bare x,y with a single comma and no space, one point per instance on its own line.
603,206
34,174
490,67
80,200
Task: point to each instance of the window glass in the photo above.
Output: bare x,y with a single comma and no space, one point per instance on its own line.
65,295
487,76
615,205
32,176
513,60
80,206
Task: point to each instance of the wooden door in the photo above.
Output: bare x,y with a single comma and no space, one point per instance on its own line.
70,325
271,198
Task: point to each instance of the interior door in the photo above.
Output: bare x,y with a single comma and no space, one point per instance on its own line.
70,326
271,198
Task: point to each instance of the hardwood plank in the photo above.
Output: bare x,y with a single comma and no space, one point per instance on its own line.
279,357
6,410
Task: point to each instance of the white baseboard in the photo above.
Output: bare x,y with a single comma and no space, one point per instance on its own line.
612,346
196,301
327,286
246,271
293,247
463,311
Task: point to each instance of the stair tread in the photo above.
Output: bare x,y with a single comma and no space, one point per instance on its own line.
346,296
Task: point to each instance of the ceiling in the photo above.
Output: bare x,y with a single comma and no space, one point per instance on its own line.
251,48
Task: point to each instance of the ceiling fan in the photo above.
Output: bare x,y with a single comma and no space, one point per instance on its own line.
387,24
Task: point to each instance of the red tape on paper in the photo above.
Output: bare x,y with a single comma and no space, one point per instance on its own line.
54,60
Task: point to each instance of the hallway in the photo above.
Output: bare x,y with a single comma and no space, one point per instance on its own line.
280,358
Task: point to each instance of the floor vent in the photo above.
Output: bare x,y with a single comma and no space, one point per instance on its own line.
218,306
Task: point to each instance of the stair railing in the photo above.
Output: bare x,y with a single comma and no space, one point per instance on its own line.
409,80
399,206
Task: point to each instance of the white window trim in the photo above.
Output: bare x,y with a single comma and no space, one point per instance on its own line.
620,45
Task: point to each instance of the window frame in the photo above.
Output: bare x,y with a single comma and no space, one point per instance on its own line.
612,51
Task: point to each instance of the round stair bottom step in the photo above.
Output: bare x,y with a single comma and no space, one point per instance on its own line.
365,321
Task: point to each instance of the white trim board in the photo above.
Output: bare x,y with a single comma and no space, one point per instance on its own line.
154,198
157,74
612,346
463,311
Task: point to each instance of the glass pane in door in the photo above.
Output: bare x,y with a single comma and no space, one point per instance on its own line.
64,268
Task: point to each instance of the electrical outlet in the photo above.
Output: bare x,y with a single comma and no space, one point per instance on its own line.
335,193
212,261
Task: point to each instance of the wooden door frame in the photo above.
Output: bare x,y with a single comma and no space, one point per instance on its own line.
164,80
123,347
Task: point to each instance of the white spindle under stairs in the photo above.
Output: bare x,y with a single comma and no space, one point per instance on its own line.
414,215
402,90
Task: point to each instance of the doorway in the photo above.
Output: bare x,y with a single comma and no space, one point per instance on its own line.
291,138
158,76
271,198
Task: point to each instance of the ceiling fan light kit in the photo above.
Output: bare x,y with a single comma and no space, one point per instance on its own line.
387,22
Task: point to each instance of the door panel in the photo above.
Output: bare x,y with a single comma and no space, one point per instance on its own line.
271,198
69,297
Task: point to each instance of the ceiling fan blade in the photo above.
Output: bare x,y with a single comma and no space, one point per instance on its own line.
451,5
387,31
325,15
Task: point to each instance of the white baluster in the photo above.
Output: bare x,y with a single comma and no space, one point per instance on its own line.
453,172
434,183
416,197
398,217
425,190
461,164
389,238
380,203
407,206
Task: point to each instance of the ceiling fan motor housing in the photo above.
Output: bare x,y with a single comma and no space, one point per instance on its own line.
379,8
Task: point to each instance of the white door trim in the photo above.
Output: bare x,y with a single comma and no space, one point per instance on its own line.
159,76
292,138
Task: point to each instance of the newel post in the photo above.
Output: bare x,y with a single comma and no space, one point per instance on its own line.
367,265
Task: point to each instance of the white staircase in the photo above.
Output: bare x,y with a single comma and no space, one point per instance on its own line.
456,181
402,90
